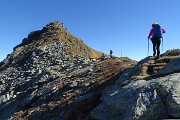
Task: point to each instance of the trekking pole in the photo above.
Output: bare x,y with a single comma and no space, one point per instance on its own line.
162,43
148,48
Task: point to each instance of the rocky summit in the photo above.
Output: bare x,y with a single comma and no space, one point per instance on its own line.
53,75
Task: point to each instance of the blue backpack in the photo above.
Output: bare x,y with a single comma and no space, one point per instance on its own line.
157,31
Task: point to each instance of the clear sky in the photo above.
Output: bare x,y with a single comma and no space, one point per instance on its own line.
120,25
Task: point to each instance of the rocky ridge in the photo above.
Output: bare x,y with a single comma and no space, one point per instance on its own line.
53,34
52,75
148,91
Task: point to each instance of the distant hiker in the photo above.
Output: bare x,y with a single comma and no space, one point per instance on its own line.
111,52
156,35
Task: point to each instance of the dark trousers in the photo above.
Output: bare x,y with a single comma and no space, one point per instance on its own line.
156,45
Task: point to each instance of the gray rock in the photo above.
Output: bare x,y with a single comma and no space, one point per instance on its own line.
137,100
172,66
87,84
73,84
104,112
169,90
134,71
153,99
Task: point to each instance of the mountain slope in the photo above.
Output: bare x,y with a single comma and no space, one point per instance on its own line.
52,34
52,75
148,91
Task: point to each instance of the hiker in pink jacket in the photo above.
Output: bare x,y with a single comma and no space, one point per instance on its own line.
156,34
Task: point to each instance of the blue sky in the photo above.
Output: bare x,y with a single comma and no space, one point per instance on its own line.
120,25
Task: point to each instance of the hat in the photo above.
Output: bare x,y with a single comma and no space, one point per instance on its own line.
153,24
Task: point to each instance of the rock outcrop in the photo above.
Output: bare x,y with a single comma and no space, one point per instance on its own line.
147,91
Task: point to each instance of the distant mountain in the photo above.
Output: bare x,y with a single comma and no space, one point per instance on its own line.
52,75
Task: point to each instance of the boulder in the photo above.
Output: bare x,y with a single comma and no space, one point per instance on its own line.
137,100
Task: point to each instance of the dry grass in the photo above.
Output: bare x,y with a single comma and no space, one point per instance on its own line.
76,46
173,52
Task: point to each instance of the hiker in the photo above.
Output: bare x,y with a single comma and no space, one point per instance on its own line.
156,35
111,52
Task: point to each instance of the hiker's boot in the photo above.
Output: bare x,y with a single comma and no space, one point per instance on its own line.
158,56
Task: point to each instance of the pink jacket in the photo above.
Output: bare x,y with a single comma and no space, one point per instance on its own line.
152,31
